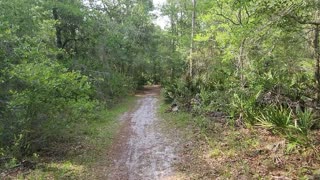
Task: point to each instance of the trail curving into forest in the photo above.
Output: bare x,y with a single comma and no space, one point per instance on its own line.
142,150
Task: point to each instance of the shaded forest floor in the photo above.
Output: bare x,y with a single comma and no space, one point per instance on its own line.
214,150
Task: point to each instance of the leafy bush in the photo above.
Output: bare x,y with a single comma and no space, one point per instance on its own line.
110,87
244,106
180,92
43,96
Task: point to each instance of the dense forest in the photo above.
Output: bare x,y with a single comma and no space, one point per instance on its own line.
249,63
254,62
61,61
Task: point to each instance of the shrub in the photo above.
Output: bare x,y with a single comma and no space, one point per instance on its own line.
110,87
305,121
276,119
43,96
295,127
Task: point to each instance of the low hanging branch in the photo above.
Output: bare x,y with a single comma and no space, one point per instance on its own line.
302,21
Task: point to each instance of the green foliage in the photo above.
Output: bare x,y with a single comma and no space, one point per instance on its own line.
295,127
252,62
47,90
12,163
177,91
64,61
276,119
245,107
305,121
110,87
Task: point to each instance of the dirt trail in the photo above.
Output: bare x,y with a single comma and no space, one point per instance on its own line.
142,150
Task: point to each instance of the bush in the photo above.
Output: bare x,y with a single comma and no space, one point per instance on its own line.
244,106
180,92
294,126
110,87
43,97
305,121
276,119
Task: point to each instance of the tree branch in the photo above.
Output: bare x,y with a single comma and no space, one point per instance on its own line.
300,21
227,18
73,39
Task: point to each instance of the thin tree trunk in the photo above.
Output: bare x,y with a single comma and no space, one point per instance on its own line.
58,29
241,63
192,36
173,46
317,61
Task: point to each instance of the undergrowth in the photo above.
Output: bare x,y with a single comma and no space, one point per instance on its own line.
73,157
219,150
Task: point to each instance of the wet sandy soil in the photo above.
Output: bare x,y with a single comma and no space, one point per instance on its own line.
142,150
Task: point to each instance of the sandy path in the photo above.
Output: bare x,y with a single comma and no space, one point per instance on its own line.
142,150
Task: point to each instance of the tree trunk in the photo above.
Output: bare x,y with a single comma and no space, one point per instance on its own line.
317,61
192,36
241,63
58,29
173,46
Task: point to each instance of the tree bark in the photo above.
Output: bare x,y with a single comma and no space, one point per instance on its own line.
241,63
58,29
192,36
317,60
